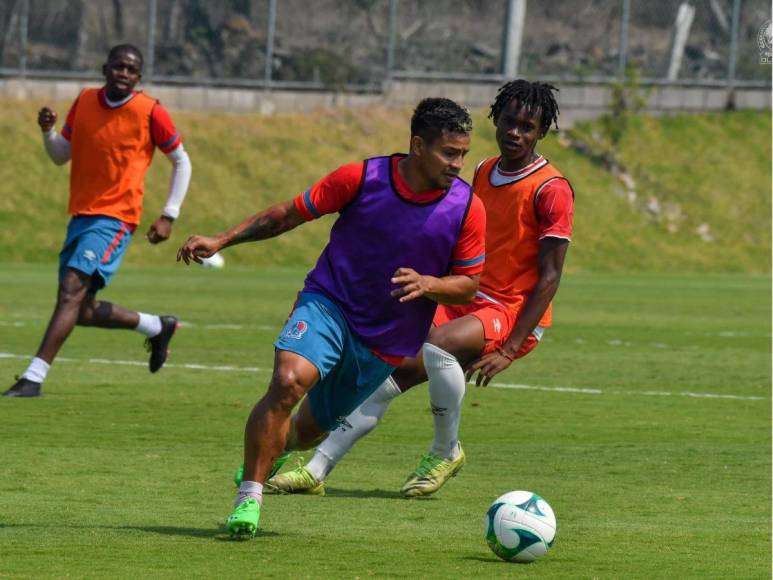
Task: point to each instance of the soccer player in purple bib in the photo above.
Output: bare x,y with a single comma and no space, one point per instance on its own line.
409,236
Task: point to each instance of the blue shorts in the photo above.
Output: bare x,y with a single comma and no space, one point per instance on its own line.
95,246
348,371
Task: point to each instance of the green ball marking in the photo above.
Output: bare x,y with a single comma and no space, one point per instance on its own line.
526,537
530,505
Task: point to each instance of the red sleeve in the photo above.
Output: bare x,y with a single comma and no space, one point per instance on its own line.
163,131
555,209
331,193
470,251
68,122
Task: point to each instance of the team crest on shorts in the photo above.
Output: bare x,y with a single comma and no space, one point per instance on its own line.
297,330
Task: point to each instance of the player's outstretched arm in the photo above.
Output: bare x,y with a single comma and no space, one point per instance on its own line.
552,252
269,223
454,289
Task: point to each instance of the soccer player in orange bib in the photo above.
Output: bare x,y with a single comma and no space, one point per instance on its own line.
529,208
110,135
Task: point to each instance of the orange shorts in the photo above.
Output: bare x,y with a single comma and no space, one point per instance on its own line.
498,322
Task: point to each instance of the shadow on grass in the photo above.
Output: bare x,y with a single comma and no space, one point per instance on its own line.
216,533
485,559
208,533
370,493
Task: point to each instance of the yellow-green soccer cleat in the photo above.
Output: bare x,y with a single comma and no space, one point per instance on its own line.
431,474
243,521
298,480
280,461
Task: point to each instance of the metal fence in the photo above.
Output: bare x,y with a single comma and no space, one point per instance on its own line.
360,45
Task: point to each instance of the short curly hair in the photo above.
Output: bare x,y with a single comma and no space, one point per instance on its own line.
125,49
435,115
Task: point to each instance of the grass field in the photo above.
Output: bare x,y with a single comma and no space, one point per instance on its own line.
644,419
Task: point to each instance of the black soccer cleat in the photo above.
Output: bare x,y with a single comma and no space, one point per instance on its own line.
24,388
159,344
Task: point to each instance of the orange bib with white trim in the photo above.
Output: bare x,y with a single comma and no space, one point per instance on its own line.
111,152
512,235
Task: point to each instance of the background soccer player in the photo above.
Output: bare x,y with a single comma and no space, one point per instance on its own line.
529,208
410,235
110,135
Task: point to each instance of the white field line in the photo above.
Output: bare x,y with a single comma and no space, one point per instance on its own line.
137,363
639,393
183,324
574,390
278,327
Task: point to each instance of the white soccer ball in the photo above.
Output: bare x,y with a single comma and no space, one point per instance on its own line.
214,261
520,526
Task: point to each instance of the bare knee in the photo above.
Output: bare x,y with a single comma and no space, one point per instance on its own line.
70,297
73,290
462,338
445,341
287,388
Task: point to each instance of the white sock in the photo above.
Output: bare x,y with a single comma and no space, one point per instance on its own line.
446,391
37,370
249,489
359,423
149,324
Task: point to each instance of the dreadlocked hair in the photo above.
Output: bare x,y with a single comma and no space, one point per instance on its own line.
533,96
435,115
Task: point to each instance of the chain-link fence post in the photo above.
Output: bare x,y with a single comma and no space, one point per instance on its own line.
23,28
733,44
150,57
392,34
271,30
622,57
514,21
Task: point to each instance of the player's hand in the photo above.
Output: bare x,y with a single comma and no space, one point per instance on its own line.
487,367
198,247
413,285
46,119
160,230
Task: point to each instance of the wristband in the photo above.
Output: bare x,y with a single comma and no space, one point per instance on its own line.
508,356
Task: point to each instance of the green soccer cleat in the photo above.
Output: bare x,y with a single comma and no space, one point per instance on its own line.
299,480
431,474
243,521
280,461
